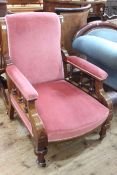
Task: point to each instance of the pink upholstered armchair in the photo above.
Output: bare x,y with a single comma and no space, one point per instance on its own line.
50,107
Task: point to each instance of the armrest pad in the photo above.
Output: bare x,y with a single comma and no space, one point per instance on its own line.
87,67
21,83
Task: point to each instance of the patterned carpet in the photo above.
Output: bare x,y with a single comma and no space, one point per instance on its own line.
86,156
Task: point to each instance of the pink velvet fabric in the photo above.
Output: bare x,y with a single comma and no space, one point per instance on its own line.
34,45
87,67
67,111
21,83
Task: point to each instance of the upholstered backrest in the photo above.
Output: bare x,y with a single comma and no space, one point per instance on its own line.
34,45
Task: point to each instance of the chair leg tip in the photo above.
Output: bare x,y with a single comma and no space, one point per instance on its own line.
41,164
102,137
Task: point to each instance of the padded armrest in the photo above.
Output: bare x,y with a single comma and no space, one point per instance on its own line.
87,67
21,83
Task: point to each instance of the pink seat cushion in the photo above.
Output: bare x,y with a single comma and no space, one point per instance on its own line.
66,111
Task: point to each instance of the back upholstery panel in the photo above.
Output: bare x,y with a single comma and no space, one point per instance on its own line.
34,45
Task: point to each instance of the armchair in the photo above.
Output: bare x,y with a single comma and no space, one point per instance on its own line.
98,42
50,107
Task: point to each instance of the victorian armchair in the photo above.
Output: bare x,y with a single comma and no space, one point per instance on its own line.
50,107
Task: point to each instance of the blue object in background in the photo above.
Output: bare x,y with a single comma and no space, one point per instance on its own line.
100,47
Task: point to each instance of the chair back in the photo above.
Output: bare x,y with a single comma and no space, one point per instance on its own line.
34,45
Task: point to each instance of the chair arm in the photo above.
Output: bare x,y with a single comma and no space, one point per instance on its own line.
21,83
87,67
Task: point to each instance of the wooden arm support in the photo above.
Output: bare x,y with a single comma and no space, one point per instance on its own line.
40,136
25,107
97,76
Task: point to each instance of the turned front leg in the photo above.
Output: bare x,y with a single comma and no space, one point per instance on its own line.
40,156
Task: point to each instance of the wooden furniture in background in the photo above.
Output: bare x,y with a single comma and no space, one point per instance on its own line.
3,8
97,7
73,20
96,11
23,2
25,5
